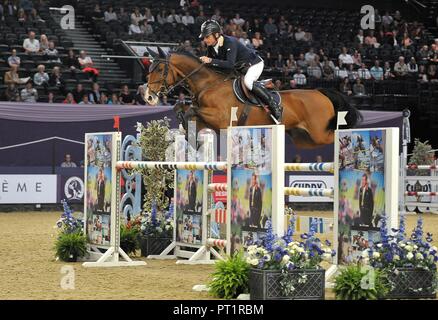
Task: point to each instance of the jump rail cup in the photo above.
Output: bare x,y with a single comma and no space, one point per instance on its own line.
414,166
420,193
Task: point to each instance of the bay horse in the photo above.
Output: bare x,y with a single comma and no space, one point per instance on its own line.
309,116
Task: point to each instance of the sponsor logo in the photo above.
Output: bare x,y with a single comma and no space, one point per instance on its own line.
74,188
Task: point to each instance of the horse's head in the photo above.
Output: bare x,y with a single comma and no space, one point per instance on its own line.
161,76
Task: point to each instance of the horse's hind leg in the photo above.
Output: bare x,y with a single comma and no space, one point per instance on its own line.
303,139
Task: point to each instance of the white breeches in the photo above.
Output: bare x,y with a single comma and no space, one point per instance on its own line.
253,74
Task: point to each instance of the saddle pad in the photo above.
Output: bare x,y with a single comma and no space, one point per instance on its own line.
240,95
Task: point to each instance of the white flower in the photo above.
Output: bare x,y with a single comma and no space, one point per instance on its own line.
433,249
285,259
366,260
326,256
365,253
376,255
409,256
253,262
409,248
396,257
379,245
419,256
415,247
402,244
300,249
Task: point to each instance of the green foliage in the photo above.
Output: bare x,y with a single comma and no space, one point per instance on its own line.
129,239
230,278
421,155
154,143
70,246
358,283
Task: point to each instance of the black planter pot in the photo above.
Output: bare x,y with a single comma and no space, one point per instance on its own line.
407,283
265,285
152,245
73,258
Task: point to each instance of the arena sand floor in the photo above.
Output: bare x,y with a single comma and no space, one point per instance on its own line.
28,269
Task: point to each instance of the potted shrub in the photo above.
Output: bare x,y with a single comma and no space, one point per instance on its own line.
230,277
156,231
355,282
409,263
284,269
129,238
71,243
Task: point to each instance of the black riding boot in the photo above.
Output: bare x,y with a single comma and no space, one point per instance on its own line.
267,99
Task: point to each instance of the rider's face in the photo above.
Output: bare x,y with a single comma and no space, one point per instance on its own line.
210,40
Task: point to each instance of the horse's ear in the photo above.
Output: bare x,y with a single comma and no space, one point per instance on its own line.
161,53
152,53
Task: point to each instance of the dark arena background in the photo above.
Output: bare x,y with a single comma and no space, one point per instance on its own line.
68,68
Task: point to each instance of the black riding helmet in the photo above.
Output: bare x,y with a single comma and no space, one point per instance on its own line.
209,27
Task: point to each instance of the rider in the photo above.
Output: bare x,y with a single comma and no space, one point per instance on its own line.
227,52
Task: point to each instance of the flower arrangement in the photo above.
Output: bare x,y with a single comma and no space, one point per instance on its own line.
157,224
283,253
395,250
71,243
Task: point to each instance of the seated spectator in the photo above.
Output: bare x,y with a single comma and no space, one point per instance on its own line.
12,76
412,67
238,20
387,20
401,68
376,71
12,93
52,53
173,17
85,99
139,97
345,58
86,64
300,35
371,40
423,55
301,62
41,78
291,65
162,17
245,41
359,38
328,68
31,45
217,15
104,99
407,41
110,14
300,78
29,94
345,87
164,101
134,28
68,163
148,16
341,73
114,99
257,41
279,63
95,93
357,59
57,80
72,63
422,74
358,88
187,19
146,28
126,97
387,72
278,85
352,74
44,43
136,16
201,18
432,73
14,60
270,27
34,16
434,58
363,72
314,70
21,16
310,56
27,5
97,14
124,18
50,98
69,99
78,93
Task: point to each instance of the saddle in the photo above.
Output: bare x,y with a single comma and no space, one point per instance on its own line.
247,97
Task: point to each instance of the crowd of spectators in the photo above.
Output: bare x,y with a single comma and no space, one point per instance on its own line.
368,56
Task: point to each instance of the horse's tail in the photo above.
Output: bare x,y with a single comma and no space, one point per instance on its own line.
340,103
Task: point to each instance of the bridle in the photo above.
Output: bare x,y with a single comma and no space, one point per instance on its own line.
165,88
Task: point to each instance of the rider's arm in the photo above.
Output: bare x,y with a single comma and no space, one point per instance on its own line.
231,58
